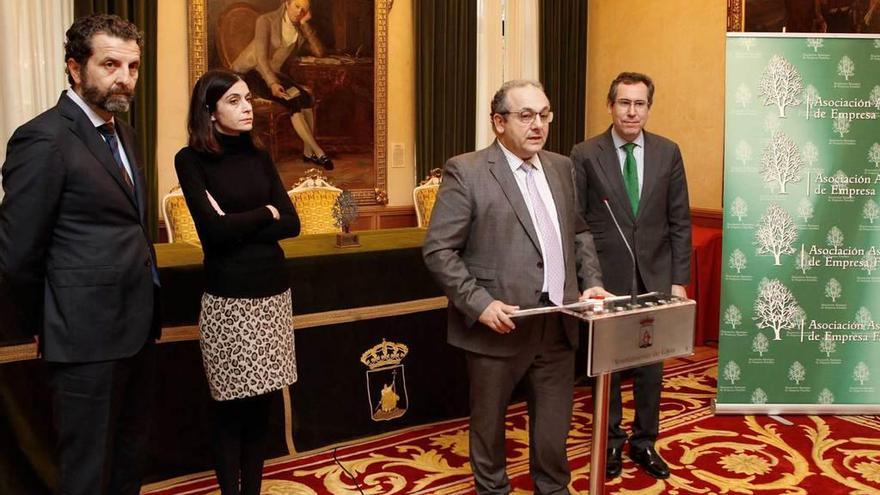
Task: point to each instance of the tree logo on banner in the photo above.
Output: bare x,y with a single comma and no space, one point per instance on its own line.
759,396
811,98
875,96
760,344
840,124
781,161
739,208
874,155
870,262
737,261
833,289
815,43
775,233
747,43
861,373
834,238
797,373
780,84
810,154
877,43
805,210
776,307
846,68
803,261
732,316
864,319
871,211
771,123
743,95
743,152
827,346
731,372
825,397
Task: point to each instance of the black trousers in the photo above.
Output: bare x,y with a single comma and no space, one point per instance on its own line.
102,415
647,384
547,365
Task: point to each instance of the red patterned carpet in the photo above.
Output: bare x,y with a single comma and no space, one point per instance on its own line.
707,454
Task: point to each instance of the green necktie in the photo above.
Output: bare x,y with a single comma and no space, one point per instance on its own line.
631,176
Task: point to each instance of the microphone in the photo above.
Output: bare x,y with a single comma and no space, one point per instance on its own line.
634,289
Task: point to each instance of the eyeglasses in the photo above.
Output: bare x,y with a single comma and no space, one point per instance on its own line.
624,104
527,115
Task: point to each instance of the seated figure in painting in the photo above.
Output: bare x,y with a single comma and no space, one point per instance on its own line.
278,35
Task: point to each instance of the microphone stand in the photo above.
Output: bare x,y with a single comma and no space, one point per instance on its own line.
634,288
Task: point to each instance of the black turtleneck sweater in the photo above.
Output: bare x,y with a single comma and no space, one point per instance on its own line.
242,255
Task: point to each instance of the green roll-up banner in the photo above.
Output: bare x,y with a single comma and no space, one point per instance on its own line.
800,288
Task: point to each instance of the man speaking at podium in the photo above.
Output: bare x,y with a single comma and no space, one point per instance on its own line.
505,234
640,177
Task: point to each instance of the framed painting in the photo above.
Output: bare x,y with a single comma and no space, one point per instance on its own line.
804,16
317,70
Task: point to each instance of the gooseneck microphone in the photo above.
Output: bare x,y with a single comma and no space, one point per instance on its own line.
634,289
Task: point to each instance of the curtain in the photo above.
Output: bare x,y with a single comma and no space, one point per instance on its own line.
32,51
446,34
563,70
507,48
143,112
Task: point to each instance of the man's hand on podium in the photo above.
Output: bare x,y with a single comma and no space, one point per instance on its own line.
496,316
679,291
595,292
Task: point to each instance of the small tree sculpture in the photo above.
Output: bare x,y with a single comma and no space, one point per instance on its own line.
345,210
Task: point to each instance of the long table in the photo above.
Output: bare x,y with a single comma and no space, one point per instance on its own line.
346,303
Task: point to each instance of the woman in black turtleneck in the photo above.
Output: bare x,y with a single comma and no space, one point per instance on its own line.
241,211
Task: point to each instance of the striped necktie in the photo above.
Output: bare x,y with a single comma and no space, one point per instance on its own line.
108,130
553,258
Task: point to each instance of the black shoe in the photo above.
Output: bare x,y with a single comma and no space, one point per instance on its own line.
325,162
613,463
322,160
650,461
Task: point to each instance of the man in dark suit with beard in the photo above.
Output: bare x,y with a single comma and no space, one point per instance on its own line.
641,176
76,255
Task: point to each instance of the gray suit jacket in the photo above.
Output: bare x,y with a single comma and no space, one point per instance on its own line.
660,233
481,245
75,253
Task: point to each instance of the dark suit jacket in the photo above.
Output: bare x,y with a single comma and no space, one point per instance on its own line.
481,245
660,234
74,249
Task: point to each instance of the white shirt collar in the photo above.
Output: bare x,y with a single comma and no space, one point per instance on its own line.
619,141
516,162
96,119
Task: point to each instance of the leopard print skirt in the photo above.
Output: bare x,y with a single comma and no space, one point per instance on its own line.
247,345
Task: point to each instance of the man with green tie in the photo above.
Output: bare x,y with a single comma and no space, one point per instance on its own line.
639,176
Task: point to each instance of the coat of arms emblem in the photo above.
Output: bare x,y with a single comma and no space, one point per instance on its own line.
646,332
386,381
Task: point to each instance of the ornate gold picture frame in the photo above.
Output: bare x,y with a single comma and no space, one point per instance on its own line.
345,82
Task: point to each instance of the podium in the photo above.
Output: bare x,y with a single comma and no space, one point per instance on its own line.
624,334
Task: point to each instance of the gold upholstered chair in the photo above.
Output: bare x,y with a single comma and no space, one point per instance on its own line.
178,220
314,197
425,195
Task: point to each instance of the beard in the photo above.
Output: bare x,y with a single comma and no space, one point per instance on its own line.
116,99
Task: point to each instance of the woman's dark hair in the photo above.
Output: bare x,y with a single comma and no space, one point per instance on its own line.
206,93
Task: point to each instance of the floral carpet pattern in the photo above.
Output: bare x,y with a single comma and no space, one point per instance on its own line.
707,454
